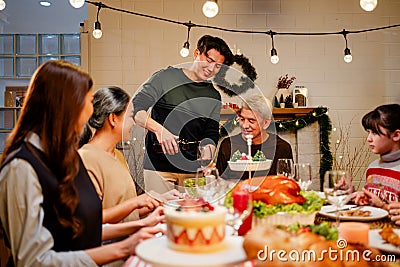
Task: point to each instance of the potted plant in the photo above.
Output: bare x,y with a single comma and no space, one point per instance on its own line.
283,94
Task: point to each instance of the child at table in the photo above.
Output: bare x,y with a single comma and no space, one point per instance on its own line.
383,175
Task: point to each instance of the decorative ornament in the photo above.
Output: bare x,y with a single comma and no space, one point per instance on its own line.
319,114
246,81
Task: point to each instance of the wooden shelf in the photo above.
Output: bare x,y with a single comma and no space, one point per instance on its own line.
290,113
278,113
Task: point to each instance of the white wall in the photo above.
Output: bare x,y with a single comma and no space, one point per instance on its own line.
133,47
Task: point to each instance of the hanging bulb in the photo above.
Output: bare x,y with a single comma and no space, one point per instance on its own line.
210,8
274,56
185,49
2,5
77,3
368,5
97,33
347,56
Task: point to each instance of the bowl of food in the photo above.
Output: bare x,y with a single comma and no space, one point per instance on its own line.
242,162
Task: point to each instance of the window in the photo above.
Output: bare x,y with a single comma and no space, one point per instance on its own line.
21,54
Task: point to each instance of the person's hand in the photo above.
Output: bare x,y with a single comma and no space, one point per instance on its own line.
167,141
394,212
170,195
374,200
359,198
129,244
154,218
147,201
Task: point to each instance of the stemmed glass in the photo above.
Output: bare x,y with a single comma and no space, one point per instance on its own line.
204,155
337,188
285,167
302,175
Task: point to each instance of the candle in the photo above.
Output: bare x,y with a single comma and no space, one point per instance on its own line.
354,232
240,203
240,200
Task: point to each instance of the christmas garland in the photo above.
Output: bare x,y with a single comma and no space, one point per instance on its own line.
325,127
246,81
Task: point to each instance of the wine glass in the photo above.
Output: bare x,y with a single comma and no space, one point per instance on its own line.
302,175
337,188
285,167
241,209
204,155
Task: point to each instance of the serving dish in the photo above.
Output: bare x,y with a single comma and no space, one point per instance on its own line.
248,165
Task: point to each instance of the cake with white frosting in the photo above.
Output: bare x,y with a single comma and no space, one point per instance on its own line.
195,226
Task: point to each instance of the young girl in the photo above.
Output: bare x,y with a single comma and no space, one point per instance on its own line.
383,175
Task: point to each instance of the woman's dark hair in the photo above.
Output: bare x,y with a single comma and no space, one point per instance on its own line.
52,107
386,116
208,42
106,101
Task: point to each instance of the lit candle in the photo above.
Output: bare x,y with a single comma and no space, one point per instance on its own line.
354,232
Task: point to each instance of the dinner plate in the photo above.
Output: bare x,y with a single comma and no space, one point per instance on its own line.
376,241
376,213
156,252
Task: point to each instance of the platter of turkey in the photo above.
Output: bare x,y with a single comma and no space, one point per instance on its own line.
278,200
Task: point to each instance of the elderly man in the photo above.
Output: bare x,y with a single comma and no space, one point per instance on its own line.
254,118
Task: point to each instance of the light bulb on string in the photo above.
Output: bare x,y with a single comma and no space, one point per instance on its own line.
210,8
274,56
97,33
77,3
185,50
2,5
368,5
274,53
347,54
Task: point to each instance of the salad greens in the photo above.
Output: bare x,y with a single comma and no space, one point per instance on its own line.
324,229
312,204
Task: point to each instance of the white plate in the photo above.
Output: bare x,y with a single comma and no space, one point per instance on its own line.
156,251
376,213
246,165
376,241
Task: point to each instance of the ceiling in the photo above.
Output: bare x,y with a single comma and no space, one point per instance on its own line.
28,16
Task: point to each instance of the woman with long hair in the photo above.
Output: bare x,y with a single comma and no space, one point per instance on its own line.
111,123
49,209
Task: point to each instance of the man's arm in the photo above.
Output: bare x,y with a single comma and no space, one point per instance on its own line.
164,137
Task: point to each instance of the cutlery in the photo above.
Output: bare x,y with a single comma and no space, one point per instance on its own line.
352,207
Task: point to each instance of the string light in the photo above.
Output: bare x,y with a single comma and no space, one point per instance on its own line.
347,54
77,3
273,51
368,5
97,33
2,5
210,8
185,49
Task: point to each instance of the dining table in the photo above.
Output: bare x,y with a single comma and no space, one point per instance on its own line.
374,225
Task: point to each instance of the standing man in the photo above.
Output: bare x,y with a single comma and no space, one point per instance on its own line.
185,111
254,118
